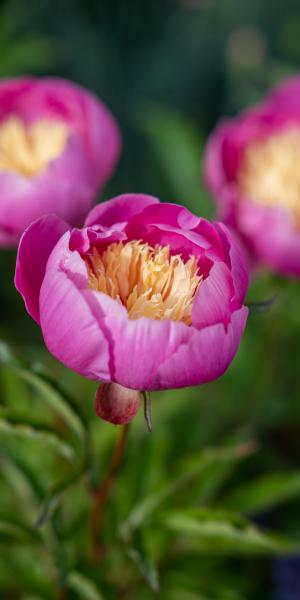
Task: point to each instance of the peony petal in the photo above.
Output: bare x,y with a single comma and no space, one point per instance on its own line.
237,262
272,235
119,209
214,174
206,357
35,247
83,239
138,347
213,299
73,326
8,237
285,97
166,213
172,225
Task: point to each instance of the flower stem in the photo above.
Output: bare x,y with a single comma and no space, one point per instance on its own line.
101,494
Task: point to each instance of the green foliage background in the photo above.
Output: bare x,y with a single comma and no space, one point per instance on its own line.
207,506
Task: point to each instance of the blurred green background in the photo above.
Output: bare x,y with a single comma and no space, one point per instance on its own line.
207,506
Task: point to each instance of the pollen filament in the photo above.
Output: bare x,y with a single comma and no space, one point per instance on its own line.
28,149
270,174
149,282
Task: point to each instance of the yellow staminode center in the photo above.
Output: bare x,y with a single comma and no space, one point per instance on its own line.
28,149
148,281
270,171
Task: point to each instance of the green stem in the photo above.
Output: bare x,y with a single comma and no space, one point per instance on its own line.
102,493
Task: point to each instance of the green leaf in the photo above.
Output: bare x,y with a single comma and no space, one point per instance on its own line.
54,496
180,593
58,400
23,493
139,553
192,470
15,431
11,531
217,471
20,462
266,492
220,532
84,588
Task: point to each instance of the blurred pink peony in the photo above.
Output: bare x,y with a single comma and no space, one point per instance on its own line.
252,169
58,146
146,295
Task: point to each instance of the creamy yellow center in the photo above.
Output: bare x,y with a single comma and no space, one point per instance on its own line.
148,281
28,150
270,171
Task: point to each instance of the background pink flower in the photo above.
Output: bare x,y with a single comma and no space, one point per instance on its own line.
147,295
252,170
58,146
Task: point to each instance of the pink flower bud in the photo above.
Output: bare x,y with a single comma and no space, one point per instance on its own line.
116,404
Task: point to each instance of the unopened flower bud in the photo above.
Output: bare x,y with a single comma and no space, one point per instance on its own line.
116,404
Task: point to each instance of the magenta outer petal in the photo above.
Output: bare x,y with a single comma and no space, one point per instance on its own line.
8,237
224,290
205,357
226,145
212,302
119,209
83,239
72,324
286,96
173,225
223,189
166,213
213,170
273,236
139,347
238,263
35,247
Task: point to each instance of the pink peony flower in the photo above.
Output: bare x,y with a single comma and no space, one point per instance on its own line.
252,169
146,295
58,146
